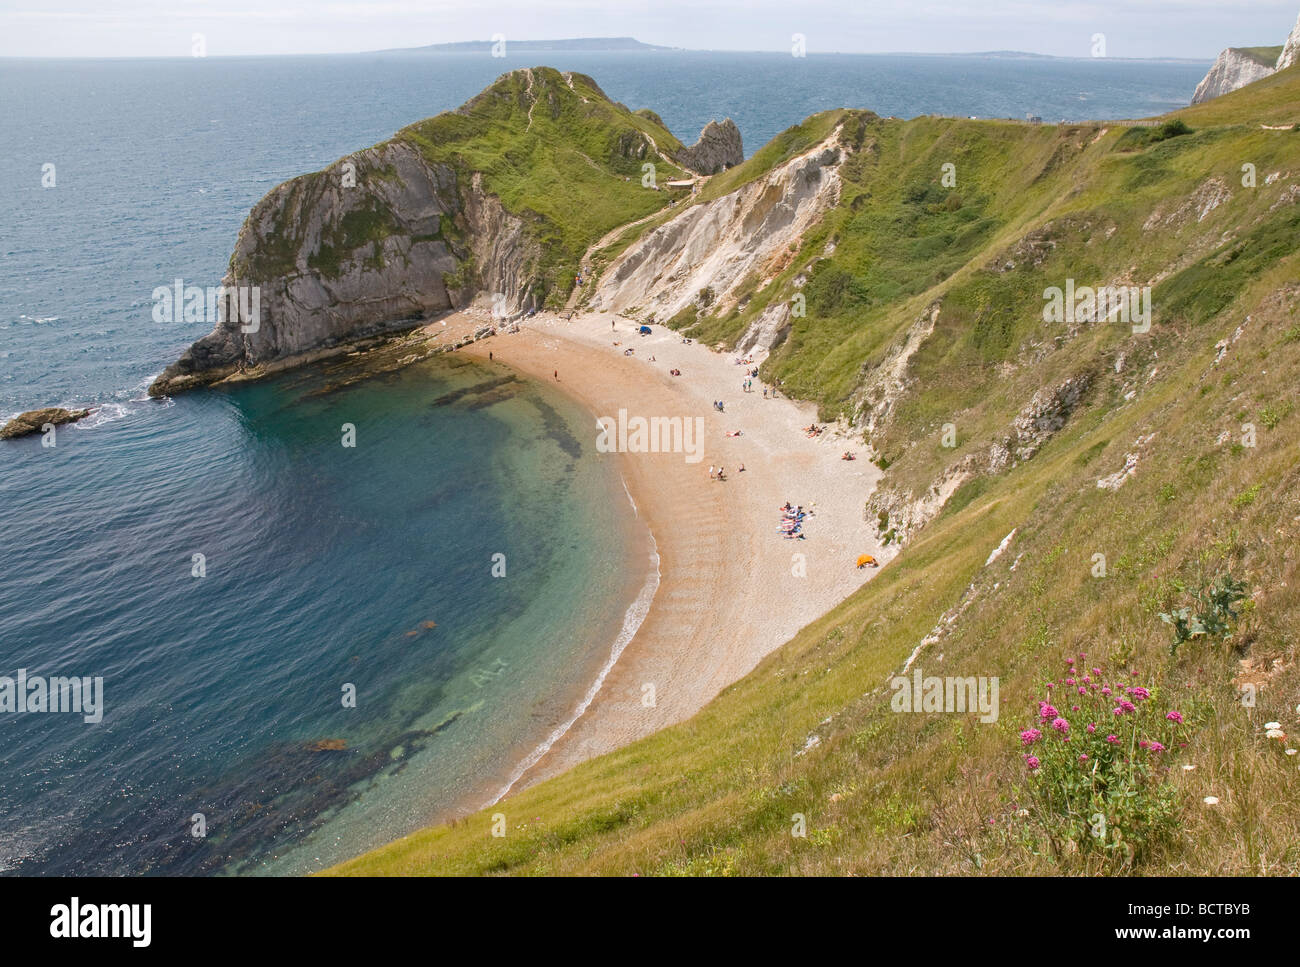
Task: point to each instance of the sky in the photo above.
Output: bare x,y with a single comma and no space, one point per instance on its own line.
167,28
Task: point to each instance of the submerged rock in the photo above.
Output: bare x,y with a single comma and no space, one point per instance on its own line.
33,421
328,745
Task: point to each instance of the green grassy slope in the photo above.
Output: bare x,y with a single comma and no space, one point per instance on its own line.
552,147
1262,55
566,158
1204,405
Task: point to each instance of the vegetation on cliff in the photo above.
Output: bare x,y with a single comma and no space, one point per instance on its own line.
558,153
1124,473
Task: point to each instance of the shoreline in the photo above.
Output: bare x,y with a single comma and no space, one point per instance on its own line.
714,614
633,618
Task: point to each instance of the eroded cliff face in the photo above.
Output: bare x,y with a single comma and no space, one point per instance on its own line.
371,245
715,246
718,149
1290,55
1234,68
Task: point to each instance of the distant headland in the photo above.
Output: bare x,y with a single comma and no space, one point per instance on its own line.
590,44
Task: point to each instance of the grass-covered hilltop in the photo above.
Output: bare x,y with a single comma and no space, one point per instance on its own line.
501,197
1097,500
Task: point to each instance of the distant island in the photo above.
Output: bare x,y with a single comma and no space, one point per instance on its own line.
571,43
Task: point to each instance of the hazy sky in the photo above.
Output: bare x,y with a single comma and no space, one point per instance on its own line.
1133,28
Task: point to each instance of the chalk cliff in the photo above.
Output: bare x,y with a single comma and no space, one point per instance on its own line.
1235,68
1290,55
1239,66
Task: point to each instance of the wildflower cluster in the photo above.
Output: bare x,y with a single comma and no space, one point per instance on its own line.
1097,757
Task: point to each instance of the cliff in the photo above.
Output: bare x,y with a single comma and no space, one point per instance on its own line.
1290,55
1235,67
1238,66
499,198
718,148
1057,484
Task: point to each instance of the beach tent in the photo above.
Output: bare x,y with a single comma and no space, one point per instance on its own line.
866,559
645,330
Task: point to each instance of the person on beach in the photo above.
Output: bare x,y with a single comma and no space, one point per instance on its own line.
711,471
489,355
557,375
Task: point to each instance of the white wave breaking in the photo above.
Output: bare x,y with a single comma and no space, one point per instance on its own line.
632,620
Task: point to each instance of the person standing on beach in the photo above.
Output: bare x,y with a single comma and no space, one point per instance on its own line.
557,375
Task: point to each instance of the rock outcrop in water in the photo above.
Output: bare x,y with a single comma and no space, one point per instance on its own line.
499,198
718,149
33,421
368,246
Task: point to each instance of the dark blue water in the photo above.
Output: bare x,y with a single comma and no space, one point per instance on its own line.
325,565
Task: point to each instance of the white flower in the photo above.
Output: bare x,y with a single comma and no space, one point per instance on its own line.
1211,800
1290,751
1022,813
1275,734
1272,725
1188,768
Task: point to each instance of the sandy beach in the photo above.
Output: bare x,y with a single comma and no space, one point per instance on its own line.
732,588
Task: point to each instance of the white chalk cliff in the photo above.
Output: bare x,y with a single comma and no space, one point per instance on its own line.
1238,66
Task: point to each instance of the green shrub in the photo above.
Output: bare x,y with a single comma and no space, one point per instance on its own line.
1215,613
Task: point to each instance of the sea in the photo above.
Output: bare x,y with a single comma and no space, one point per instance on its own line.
326,608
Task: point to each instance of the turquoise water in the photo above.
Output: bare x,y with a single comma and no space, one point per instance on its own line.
323,563
323,566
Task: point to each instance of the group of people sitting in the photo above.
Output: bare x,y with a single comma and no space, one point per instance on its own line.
674,372
792,521
813,430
